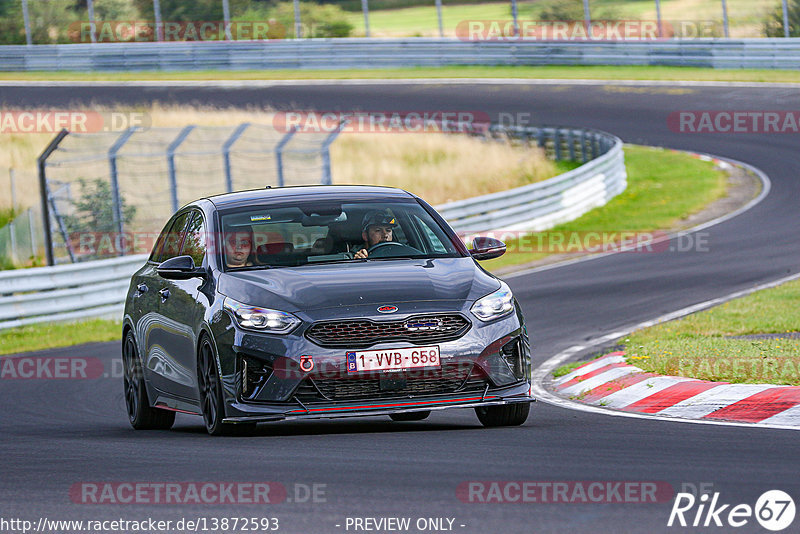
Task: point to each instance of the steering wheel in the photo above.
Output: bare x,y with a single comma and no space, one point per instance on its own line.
385,246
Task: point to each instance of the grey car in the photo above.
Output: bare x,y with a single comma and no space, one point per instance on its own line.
320,302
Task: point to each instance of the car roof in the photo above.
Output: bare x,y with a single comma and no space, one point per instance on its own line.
307,192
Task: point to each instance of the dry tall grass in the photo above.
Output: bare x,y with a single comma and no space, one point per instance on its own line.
438,167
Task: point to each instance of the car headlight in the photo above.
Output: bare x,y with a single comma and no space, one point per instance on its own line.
494,305
261,319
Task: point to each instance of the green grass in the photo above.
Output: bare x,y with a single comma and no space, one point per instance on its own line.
567,368
664,187
697,346
52,335
520,72
745,16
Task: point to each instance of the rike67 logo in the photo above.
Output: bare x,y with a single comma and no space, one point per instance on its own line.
774,510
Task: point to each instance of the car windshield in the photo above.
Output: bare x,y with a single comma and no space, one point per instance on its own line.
297,234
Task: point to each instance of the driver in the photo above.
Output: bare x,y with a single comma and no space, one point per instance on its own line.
376,228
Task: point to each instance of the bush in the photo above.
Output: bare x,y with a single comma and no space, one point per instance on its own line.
573,10
12,28
773,26
318,20
50,20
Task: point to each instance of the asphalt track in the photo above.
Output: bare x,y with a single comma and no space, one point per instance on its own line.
56,433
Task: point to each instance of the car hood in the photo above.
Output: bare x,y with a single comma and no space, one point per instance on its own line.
352,284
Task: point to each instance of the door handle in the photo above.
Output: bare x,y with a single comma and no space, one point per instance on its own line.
164,294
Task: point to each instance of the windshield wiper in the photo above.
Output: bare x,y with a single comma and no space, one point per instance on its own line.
250,268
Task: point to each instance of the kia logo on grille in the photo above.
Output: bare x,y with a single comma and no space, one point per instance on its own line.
425,324
387,309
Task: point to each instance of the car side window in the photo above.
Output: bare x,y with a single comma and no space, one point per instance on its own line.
195,243
434,241
171,239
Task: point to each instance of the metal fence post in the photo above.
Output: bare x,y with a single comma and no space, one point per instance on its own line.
279,153
12,234
725,18
439,15
27,19
226,17
365,9
92,25
226,153
658,19
571,145
587,15
44,193
157,16
32,230
173,180
557,143
583,146
119,221
327,178
785,18
298,30
514,15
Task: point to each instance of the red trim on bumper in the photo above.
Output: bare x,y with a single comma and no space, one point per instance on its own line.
396,405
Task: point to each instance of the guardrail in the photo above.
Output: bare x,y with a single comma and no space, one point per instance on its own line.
98,288
66,292
362,53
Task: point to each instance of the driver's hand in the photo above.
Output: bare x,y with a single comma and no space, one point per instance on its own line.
361,254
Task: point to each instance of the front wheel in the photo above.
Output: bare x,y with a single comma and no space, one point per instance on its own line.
211,401
504,415
141,415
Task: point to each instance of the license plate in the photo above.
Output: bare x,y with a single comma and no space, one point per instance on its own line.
393,359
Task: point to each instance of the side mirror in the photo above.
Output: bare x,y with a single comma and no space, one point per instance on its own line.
179,268
487,248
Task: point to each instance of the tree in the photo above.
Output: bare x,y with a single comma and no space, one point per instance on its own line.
773,25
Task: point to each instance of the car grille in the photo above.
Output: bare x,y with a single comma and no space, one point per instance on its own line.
360,333
461,377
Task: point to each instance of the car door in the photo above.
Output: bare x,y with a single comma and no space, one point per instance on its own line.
156,329
182,306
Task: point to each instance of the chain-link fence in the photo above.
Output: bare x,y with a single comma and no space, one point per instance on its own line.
64,21
109,194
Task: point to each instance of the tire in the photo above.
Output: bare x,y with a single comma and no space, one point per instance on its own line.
504,415
410,416
211,402
141,415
